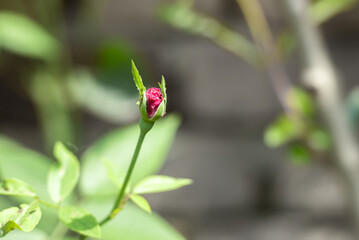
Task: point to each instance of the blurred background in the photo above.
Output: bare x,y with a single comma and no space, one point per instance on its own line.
65,75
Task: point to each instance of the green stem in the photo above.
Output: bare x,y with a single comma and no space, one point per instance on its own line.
145,128
127,179
1,175
47,203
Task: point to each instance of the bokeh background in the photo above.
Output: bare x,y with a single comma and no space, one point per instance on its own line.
77,86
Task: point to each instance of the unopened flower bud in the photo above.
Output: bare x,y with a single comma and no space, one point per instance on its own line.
152,102
154,99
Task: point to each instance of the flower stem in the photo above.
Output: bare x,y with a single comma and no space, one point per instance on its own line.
47,203
145,128
127,179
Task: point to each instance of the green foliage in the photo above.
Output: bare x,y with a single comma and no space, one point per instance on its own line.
299,129
80,220
24,218
112,64
136,224
132,223
55,101
63,177
105,99
281,131
182,16
36,234
141,202
115,147
319,140
301,102
16,187
115,174
21,163
298,154
160,183
323,10
23,36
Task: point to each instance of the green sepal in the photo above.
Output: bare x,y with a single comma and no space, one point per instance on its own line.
146,126
161,110
138,80
163,89
143,107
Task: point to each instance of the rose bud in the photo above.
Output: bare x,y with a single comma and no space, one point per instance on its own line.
154,99
152,102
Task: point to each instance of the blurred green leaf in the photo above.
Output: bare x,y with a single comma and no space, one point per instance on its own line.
36,234
34,170
113,65
319,140
6,142
115,53
323,10
301,102
114,172
299,154
64,176
16,187
34,166
49,94
23,36
80,220
132,223
141,202
182,16
160,183
24,218
108,102
6,202
118,147
281,131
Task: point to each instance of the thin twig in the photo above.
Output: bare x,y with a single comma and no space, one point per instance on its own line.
272,63
319,73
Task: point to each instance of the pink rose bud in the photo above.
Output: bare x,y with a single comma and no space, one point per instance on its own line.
152,102
154,99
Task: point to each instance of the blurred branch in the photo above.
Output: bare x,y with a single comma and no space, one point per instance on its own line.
319,73
183,17
324,10
263,38
321,11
